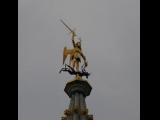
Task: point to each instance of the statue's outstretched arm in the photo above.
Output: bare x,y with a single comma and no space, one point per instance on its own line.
73,42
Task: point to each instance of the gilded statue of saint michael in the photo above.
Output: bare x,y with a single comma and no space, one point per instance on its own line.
75,55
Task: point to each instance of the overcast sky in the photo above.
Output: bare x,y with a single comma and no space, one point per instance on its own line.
110,32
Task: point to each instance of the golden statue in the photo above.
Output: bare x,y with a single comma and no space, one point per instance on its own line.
75,57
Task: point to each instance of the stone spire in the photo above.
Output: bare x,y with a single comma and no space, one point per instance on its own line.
77,90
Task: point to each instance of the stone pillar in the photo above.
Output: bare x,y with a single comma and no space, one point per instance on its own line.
83,107
77,90
76,106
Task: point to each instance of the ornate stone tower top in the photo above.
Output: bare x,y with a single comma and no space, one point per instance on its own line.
77,89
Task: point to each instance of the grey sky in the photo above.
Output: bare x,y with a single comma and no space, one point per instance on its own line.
110,32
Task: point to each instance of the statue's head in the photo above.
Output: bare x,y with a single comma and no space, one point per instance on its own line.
78,44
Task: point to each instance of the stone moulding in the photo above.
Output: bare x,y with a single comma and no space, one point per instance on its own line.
81,86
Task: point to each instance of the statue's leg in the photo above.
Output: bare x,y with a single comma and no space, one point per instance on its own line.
77,66
73,64
70,61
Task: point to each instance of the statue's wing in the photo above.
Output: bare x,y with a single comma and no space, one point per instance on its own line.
66,52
